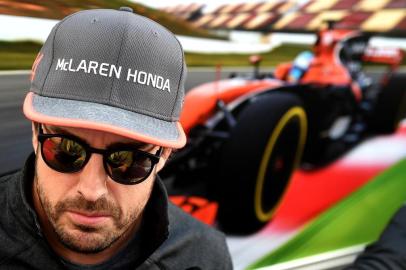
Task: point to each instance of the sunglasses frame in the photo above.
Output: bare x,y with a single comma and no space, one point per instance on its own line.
104,152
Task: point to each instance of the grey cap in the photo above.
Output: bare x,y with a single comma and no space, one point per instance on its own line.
110,70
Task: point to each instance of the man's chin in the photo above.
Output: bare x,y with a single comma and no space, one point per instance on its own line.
86,239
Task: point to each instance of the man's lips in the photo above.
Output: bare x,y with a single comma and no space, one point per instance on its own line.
87,218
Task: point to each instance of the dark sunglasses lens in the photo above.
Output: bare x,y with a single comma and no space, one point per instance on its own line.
128,167
62,154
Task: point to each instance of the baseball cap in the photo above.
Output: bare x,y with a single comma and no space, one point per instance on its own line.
113,71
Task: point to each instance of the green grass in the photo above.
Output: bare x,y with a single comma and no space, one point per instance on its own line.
29,47
21,55
18,55
280,54
16,61
358,219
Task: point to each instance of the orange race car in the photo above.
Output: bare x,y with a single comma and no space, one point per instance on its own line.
246,135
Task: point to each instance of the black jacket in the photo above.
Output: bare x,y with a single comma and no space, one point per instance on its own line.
172,239
389,251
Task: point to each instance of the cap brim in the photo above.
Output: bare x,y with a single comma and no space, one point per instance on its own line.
73,113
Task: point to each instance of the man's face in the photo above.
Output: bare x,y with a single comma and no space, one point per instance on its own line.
88,211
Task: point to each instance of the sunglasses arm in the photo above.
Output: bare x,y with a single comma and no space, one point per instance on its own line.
159,152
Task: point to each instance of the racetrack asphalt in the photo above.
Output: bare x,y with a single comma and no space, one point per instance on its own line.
15,134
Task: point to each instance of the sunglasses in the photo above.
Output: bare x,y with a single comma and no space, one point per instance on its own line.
124,164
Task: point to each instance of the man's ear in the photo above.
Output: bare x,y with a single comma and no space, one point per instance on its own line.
166,152
34,127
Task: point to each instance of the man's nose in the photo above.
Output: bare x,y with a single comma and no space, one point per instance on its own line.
93,179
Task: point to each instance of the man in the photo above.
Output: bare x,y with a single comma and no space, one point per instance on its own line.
106,92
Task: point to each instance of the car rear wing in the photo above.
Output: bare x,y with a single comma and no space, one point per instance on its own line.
384,55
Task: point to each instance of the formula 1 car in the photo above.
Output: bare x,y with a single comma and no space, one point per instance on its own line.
246,135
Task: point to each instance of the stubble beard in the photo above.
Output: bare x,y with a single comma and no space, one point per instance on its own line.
87,239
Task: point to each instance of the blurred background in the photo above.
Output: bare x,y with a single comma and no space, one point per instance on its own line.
213,33
218,38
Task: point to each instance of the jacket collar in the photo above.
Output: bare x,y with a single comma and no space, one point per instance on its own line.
21,199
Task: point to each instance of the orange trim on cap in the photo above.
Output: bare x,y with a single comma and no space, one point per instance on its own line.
35,65
33,115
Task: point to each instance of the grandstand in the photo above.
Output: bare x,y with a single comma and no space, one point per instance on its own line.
375,16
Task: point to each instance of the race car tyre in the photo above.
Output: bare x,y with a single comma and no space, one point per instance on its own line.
257,161
391,105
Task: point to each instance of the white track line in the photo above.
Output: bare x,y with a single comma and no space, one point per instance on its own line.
14,72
